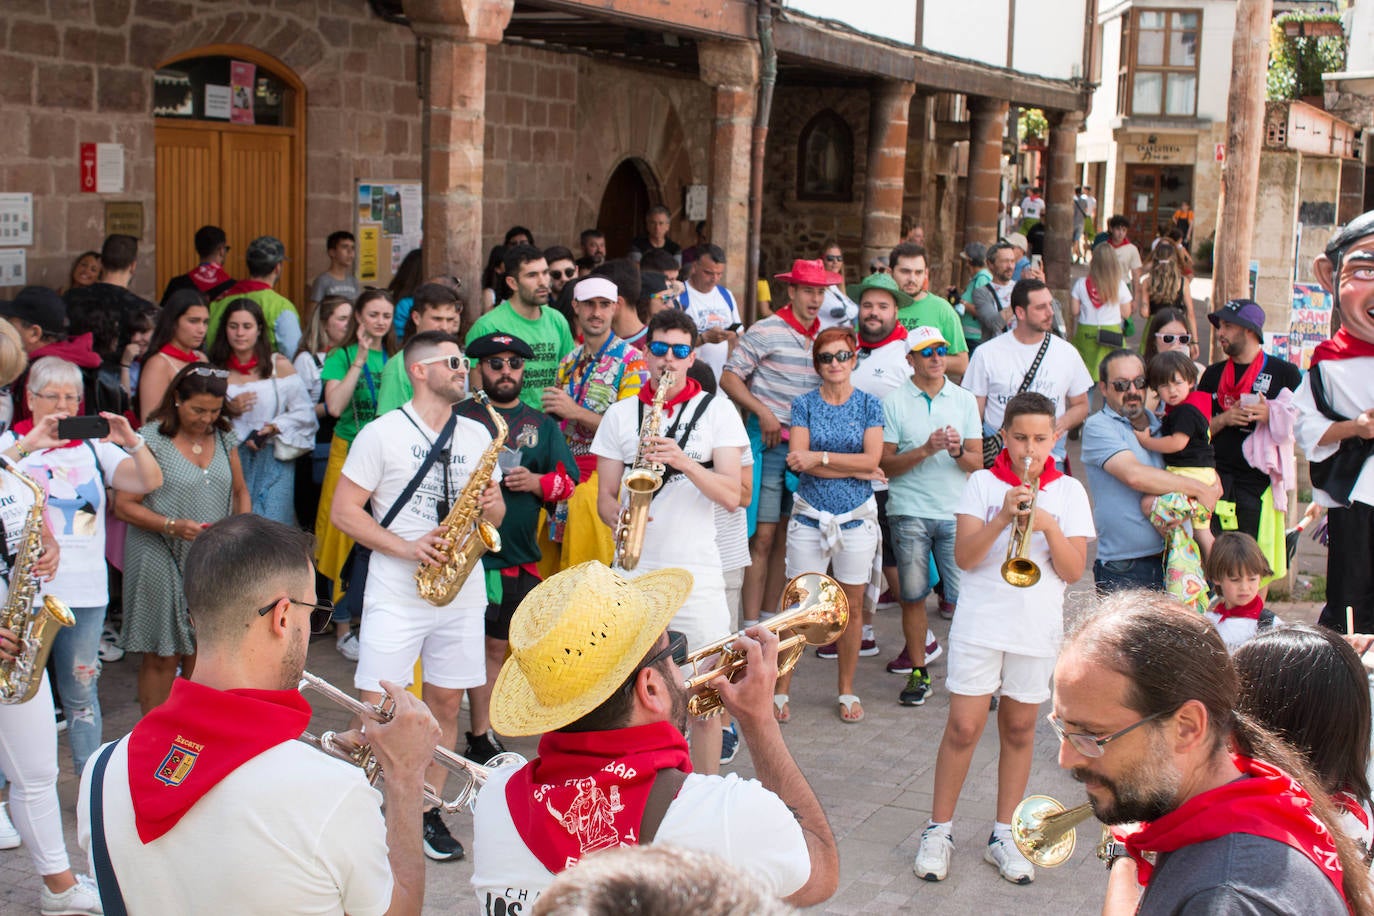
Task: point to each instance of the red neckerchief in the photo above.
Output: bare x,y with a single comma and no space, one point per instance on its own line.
576,798
786,314
207,276
1229,390
898,333
243,287
23,427
1248,611
1269,804
1350,804
1199,399
186,356
1093,295
183,748
1342,346
1115,244
241,367
1003,471
690,389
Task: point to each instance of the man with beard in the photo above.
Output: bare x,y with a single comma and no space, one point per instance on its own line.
538,471
526,314
593,244
1145,700
174,791
911,270
992,301
1130,552
435,307
613,750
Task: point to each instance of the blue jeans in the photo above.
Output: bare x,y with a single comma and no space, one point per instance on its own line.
271,483
915,541
76,659
1120,575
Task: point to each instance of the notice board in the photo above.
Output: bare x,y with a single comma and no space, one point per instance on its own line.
386,222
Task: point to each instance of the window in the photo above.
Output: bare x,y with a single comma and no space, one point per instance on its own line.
218,88
825,160
1158,74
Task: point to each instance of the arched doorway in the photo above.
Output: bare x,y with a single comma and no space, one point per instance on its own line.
625,203
229,140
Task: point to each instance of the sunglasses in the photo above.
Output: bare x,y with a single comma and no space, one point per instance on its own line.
563,274
1123,385
1181,338
842,356
497,363
928,352
207,372
877,270
452,363
659,348
320,613
834,257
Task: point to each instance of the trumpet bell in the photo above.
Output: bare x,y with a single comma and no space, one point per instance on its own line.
1020,572
1043,829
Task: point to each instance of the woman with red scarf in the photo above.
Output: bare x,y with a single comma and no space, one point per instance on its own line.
175,344
1102,303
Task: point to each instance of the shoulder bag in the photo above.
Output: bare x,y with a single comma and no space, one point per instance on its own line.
992,444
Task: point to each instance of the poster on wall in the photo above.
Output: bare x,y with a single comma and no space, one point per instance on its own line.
16,219
368,239
387,220
1309,323
13,267
241,77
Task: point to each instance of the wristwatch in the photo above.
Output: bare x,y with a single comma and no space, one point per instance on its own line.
825,458
1110,852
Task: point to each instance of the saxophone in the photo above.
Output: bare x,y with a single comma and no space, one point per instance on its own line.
642,482
469,534
33,627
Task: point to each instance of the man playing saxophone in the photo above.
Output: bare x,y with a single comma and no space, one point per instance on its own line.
388,460
699,449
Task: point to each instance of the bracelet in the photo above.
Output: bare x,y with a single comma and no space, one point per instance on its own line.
167,524
126,365
138,445
23,452
961,450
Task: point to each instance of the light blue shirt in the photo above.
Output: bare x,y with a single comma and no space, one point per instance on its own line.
1123,531
932,488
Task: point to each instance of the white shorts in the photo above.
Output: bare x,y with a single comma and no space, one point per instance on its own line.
976,671
704,617
450,642
852,564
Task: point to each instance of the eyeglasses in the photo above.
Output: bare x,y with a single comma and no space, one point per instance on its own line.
659,348
1091,745
928,352
877,270
453,363
1123,385
842,356
207,372
1181,338
563,274
320,613
60,398
834,257
497,363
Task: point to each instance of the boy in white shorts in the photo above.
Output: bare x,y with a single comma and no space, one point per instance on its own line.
1006,637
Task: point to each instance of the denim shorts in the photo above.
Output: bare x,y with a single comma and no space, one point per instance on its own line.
914,541
775,500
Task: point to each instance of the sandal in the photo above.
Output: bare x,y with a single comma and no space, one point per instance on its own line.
780,710
847,703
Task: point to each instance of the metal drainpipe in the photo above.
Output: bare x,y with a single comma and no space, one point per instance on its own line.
768,77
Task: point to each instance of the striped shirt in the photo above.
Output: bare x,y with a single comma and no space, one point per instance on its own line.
774,359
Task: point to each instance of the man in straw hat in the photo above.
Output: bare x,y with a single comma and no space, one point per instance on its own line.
592,670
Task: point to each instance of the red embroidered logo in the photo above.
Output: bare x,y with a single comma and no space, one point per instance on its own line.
181,757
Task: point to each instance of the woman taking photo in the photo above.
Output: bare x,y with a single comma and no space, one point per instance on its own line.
190,436
1102,303
176,342
352,376
835,444
274,420
74,474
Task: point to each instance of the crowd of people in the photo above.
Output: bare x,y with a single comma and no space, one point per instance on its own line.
901,442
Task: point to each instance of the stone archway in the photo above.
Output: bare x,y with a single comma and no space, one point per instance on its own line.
630,192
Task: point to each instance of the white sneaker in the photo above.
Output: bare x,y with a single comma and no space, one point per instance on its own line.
932,859
348,646
1011,865
9,837
82,898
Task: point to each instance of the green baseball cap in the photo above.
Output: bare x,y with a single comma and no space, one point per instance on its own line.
883,282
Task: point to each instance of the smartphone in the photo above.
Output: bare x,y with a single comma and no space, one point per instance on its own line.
92,427
1036,260
734,327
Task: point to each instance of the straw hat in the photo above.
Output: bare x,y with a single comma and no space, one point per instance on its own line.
574,640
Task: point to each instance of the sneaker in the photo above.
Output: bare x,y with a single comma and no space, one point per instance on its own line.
901,664
9,837
830,650
916,690
886,600
932,859
946,609
729,744
348,646
109,650
483,747
81,898
439,843
933,648
869,646
1011,865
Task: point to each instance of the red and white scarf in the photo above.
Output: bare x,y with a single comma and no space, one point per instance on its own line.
1251,610
1229,388
1003,471
898,333
207,276
787,315
1343,345
690,389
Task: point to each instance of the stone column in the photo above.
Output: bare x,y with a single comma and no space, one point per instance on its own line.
731,69
1059,200
982,200
889,106
455,35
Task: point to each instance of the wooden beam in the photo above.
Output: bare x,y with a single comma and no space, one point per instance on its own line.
720,19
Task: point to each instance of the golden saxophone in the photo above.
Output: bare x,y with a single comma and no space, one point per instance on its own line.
642,482
34,627
469,535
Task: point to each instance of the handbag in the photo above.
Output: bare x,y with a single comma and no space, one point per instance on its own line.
280,450
1110,338
992,445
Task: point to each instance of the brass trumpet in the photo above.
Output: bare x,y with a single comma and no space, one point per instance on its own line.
1043,829
813,612
361,756
1019,569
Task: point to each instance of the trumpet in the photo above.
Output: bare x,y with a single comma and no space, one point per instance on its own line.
1018,568
813,612
361,756
1043,829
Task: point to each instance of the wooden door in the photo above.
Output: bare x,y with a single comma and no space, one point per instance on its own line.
188,195
258,200
1142,203
624,205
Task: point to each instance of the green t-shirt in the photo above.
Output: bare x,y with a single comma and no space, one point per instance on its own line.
363,407
548,336
932,311
396,387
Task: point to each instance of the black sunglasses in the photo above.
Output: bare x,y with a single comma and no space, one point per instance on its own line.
843,356
1123,385
563,274
497,363
320,614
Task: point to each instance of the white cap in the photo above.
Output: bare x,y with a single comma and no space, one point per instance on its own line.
595,288
924,336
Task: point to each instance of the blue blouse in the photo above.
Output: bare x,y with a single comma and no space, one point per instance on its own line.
838,429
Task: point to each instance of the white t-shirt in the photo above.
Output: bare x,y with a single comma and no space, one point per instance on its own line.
996,615
1108,314
883,370
737,819
1235,631
382,460
76,514
996,369
1129,256
711,311
732,528
290,831
309,371
1032,207
837,309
